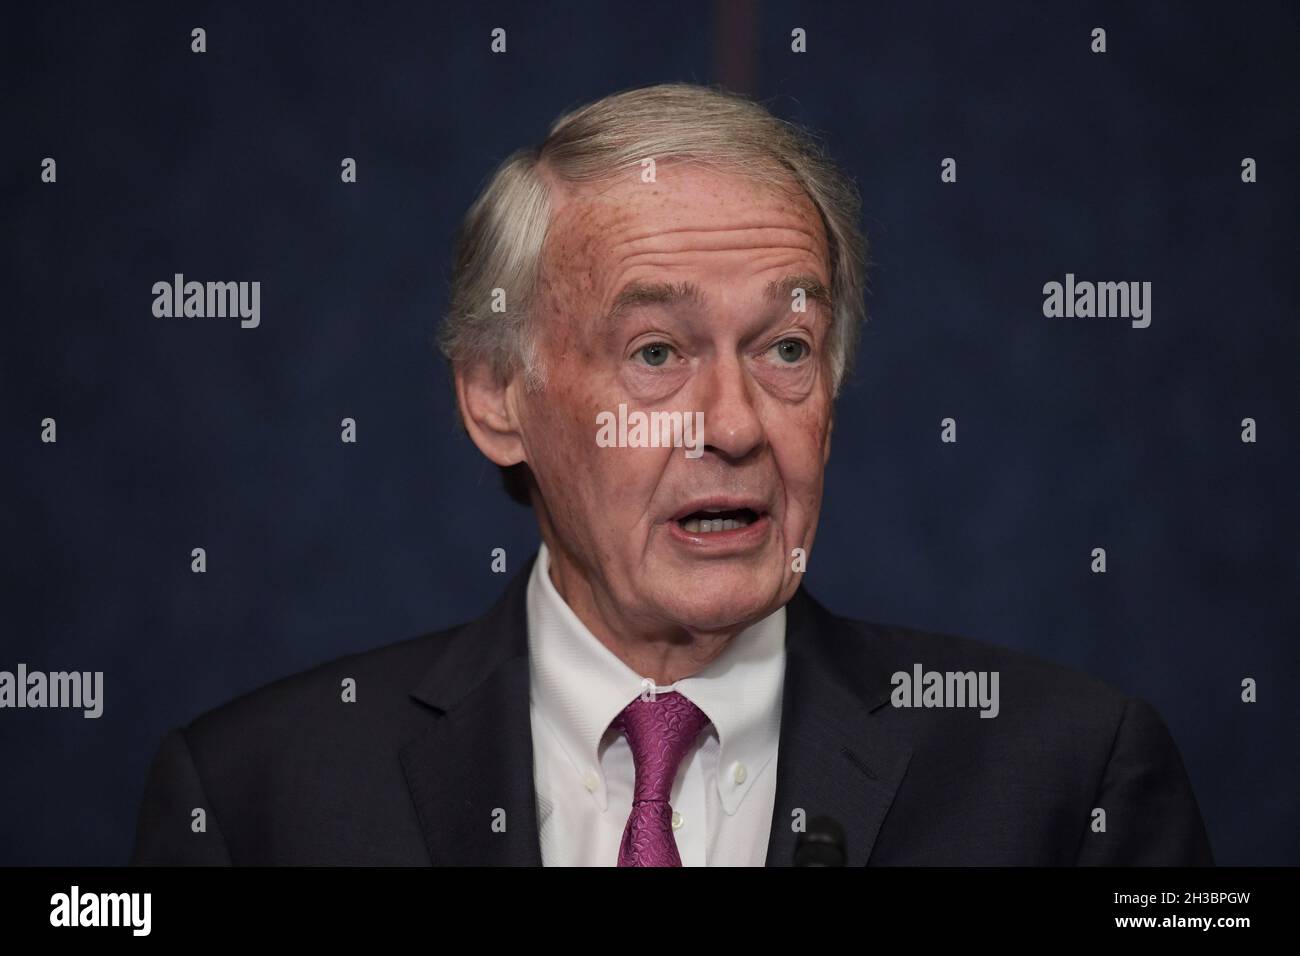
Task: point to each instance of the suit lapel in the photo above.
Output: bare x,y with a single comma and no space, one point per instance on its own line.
468,755
468,758
834,759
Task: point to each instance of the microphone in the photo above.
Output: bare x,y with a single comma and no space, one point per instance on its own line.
822,844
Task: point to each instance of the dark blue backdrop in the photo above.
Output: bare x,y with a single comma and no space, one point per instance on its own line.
1073,434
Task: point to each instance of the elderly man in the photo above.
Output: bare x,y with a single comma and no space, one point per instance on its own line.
651,315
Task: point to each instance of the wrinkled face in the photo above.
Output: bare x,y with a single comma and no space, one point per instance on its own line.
703,294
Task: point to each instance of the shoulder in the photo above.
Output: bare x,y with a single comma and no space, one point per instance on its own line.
359,704
277,768
968,699
1043,749
1027,676
893,652
340,704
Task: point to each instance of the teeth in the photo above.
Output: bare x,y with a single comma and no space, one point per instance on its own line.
707,525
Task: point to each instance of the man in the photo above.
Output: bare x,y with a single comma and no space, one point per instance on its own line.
651,315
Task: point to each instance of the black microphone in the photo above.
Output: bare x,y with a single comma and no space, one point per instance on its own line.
822,844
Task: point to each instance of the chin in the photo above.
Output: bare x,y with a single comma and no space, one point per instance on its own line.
717,601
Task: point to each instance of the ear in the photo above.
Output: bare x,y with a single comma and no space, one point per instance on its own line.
830,427
487,407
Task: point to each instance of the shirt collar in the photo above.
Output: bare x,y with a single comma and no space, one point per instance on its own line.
578,686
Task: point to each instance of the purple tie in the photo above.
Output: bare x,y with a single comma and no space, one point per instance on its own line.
660,732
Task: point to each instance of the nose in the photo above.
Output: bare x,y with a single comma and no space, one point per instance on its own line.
732,426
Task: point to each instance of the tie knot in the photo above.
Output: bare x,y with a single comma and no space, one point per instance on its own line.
660,731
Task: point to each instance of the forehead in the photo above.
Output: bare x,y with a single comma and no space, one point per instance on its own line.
691,214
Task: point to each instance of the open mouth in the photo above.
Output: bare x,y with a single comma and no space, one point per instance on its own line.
708,521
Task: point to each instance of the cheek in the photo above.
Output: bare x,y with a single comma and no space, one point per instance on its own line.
557,443
800,454
594,485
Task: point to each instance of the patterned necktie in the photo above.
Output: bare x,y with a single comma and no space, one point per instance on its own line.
660,731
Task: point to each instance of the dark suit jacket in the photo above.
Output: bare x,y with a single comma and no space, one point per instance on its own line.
439,738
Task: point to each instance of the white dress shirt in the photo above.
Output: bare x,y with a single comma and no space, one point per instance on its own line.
725,788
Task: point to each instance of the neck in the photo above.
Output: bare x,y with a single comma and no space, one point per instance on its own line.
660,651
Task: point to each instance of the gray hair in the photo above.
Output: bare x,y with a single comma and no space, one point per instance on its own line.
499,245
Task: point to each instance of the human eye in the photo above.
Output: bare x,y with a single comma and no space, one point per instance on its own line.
790,351
653,354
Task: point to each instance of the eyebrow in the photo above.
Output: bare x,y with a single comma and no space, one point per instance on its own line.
780,290
637,293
